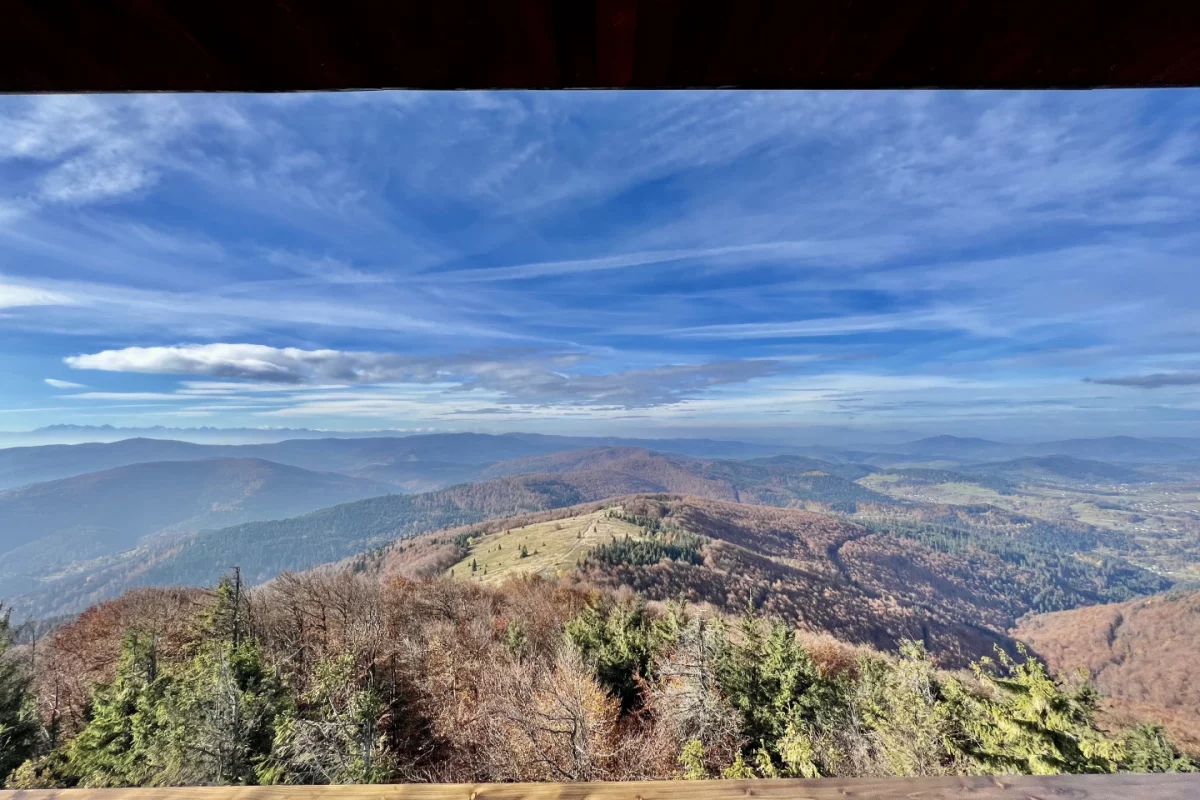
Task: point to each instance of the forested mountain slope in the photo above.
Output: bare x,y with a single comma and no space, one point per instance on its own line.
263,549
1058,468
45,527
1144,654
340,677
774,482
820,572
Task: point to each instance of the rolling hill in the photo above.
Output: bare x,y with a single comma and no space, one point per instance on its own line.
24,465
918,477
1142,654
45,527
846,469
1059,468
772,482
822,573
1119,448
266,548
956,447
263,549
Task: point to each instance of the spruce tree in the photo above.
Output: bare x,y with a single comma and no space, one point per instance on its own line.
1025,722
335,734
219,716
120,744
18,723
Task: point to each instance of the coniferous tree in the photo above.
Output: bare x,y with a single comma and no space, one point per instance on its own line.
619,641
120,744
18,725
767,678
1147,749
909,721
218,716
1026,722
336,735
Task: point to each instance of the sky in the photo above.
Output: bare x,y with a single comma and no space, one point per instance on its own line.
767,266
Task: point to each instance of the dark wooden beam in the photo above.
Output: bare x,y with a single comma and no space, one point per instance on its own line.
280,45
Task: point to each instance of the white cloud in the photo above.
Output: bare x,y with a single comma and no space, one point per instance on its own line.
96,148
57,384
257,362
816,250
520,377
325,269
16,296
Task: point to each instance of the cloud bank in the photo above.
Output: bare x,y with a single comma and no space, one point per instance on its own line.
515,376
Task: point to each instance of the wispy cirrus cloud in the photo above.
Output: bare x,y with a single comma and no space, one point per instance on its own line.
17,296
93,148
59,384
1155,380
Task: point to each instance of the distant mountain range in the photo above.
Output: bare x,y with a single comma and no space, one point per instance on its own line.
413,463
423,462
76,434
263,549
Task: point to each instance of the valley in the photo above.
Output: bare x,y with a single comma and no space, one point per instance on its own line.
1160,520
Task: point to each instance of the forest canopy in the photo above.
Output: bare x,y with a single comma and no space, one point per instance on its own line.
339,677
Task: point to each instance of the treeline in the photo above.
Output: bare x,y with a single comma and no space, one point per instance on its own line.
341,678
660,540
639,552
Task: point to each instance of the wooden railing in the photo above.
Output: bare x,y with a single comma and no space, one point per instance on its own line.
1075,787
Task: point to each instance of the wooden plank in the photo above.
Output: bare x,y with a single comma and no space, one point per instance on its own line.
1077,787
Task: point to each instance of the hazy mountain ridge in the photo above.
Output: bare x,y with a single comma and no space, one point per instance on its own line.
47,526
263,549
417,460
771,482
420,462
1061,467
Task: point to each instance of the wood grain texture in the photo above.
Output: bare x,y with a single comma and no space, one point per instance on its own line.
272,45
1075,787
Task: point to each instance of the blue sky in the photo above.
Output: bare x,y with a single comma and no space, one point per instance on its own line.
1015,265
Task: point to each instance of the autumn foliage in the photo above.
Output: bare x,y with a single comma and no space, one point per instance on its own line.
345,677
